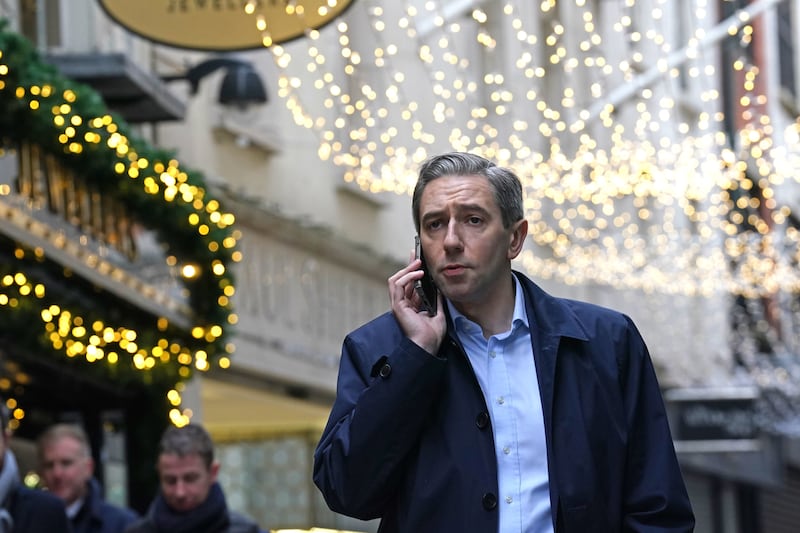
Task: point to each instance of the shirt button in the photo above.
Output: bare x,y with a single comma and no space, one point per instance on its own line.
492,354
506,450
509,499
501,400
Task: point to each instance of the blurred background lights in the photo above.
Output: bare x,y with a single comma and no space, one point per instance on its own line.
632,172
657,155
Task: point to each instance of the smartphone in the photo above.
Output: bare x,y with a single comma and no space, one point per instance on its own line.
425,287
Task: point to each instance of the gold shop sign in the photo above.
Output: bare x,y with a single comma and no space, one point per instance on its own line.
223,24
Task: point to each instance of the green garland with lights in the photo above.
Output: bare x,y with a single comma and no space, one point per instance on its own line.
71,121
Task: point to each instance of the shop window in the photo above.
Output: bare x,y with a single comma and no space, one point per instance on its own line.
733,49
755,319
786,55
40,21
779,512
45,185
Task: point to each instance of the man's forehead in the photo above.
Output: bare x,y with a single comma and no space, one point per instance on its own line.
463,191
63,443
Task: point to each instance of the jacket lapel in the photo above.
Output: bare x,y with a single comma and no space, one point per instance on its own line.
550,320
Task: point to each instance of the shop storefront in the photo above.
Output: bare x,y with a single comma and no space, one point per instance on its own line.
114,273
740,478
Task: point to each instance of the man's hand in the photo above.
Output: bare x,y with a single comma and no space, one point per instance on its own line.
426,331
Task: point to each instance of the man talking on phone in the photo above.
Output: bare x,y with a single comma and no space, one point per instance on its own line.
508,410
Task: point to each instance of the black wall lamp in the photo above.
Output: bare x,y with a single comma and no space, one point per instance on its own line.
241,85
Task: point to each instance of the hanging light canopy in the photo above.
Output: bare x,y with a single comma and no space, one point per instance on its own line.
632,173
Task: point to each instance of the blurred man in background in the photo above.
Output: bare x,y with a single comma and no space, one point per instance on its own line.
190,500
24,510
67,470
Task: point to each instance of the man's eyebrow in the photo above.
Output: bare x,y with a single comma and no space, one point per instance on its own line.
431,214
459,209
473,207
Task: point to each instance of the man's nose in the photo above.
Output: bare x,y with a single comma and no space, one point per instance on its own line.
452,238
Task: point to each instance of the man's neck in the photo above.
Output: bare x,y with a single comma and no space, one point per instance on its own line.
495,312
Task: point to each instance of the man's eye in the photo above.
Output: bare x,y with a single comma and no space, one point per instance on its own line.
474,220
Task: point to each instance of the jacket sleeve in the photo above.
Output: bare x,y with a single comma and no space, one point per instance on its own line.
655,497
380,409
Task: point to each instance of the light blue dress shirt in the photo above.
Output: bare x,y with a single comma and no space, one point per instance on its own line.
506,372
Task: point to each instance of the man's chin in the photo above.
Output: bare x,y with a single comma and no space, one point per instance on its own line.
455,289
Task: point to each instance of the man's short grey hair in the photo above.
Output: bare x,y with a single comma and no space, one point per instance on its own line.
57,432
505,184
187,440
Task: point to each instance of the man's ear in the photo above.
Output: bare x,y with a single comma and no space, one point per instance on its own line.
519,232
214,470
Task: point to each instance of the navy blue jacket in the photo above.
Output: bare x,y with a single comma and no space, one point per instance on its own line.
409,438
36,511
99,516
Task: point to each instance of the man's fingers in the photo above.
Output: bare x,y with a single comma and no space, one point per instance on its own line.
405,276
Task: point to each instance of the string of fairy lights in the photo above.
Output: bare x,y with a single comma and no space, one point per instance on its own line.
162,188
627,191
651,156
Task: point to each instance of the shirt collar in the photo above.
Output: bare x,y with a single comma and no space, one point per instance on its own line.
74,508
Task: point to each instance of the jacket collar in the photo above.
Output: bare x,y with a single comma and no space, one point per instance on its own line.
551,316
93,499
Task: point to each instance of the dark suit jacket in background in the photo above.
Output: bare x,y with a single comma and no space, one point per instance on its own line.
35,511
99,516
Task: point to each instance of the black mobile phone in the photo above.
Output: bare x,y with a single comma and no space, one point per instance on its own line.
425,287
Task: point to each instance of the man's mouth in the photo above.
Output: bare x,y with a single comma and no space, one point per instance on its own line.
453,270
